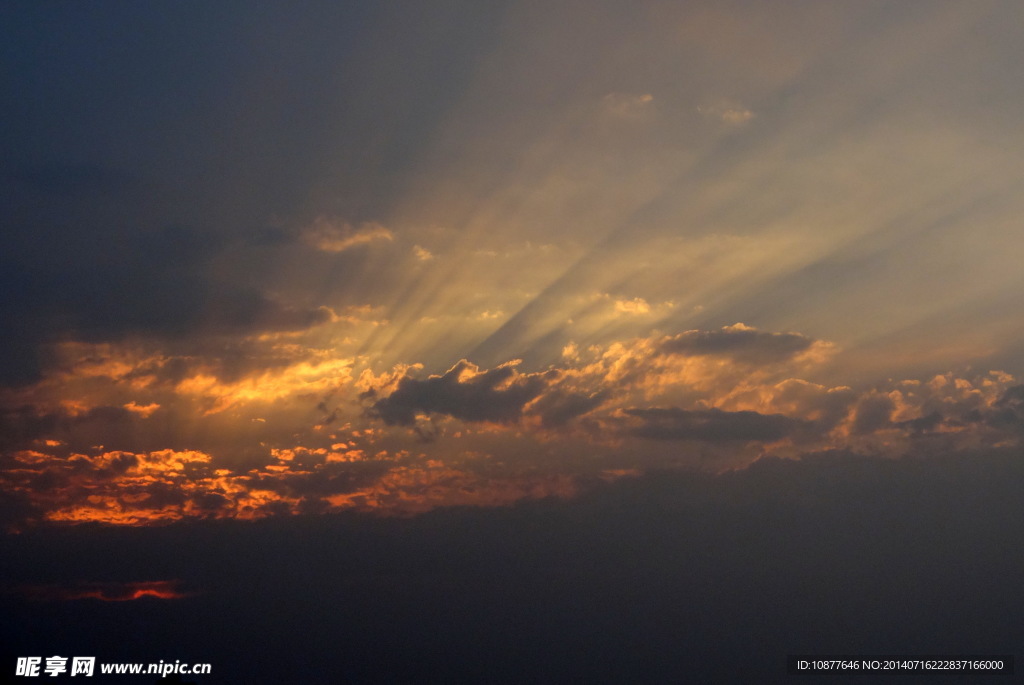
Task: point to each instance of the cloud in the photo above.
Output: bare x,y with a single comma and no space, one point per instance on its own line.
141,489
158,285
742,343
417,489
329,235
683,370
1008,411
712,425
463,392
627,105
727,112
637,305
125,488
264,386
558,406
872,412
248,310
823,405
144,411
746,558
720,387
144,380
508,414
135,434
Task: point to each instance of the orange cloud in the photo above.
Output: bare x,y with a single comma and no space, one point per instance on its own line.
318,376
145,411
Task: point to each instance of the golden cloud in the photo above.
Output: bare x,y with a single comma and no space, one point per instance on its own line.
331,235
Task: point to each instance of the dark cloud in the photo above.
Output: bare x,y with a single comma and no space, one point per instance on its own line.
228,358
155,284
924,424
247,310
164,286
114,426
1008,412
1013,397
463,392
713,425
557,407
960,405
16,507
159,496
334,478
20,425
739,342
872,413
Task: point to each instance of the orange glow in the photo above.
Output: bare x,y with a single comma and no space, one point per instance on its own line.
107,592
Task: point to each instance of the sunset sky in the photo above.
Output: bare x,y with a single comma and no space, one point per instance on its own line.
265,261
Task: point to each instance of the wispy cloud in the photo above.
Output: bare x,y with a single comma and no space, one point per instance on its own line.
331,235
728,112
628,106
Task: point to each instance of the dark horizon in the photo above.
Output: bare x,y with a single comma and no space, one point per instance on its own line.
659,578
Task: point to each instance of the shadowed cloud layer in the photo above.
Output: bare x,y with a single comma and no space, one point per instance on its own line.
710,424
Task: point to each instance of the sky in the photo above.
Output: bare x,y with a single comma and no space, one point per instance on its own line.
419,269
